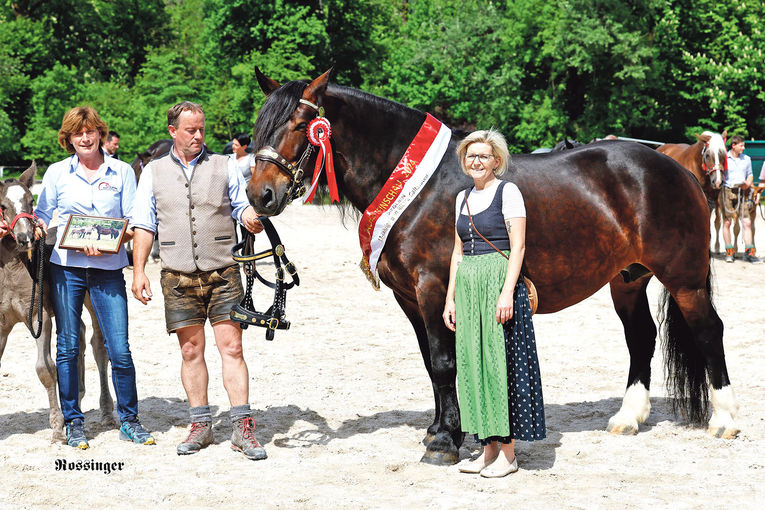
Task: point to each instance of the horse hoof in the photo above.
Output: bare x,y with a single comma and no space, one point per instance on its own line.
57,436
723,432
622,429
107,420
440,458
428,438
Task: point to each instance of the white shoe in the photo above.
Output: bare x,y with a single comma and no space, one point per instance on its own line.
494,471
474,466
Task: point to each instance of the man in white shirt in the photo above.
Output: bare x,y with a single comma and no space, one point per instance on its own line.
738,179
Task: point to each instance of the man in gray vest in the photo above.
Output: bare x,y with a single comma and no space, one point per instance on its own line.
188,197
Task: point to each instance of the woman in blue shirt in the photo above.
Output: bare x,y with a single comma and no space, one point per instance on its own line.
90,183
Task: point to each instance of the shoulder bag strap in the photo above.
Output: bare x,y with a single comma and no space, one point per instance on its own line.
530,288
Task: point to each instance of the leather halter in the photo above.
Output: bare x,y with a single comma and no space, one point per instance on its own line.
244,313
718,166
294,170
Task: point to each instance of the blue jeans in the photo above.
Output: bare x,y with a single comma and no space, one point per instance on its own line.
107,293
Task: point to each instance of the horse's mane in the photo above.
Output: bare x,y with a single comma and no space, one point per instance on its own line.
282,102
715,141
277,109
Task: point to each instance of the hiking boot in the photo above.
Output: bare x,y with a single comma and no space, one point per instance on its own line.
200,435
75,434
133,431
729,253
243,440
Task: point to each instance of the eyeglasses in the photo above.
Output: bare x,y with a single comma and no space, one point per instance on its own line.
483,158
90,132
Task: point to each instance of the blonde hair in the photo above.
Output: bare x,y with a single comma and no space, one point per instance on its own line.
490,137
77,118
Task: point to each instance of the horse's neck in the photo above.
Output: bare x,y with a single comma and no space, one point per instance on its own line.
370,135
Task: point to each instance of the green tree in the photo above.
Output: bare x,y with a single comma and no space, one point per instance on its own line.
53,94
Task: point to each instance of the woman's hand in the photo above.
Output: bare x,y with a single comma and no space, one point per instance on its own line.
39,229
450,315
504,307
91,251
3,231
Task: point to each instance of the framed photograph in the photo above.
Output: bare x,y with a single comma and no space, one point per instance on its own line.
104,233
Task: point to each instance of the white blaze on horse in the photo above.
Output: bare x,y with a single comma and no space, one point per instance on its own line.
16,299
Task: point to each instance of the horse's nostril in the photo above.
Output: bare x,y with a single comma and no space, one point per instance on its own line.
268,198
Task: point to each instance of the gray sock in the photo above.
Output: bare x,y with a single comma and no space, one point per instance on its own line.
200,414
239,412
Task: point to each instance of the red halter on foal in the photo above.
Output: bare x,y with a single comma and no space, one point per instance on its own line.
31,217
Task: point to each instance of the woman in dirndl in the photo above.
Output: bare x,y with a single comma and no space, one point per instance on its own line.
487,304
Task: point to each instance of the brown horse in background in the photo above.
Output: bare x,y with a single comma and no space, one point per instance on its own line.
706,159
608,212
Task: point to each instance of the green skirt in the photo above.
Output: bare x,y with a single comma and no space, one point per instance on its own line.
498,381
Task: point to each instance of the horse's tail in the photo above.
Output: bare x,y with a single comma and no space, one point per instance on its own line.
684,364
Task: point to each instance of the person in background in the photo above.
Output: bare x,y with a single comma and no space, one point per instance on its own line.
244,160
112,144
90,183
738,179
487,304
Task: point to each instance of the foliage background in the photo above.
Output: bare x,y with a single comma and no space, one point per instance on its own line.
538,70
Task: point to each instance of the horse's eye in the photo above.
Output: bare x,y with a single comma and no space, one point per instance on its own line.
301,126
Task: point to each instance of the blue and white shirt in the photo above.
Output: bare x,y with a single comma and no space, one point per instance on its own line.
739,169
145,211
66,191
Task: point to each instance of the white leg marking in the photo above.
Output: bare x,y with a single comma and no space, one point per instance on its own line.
635,409
724,409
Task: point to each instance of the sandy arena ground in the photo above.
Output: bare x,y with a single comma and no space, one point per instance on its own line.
342,401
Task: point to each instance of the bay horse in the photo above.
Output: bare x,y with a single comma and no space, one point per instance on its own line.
16,274
705,159
608,212
155,150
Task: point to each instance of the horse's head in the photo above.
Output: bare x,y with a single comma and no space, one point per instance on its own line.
714,156
281,141
17,206
155,150
140,161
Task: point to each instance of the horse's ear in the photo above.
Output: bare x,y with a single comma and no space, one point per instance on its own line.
703,138
267,85
317,87
28,177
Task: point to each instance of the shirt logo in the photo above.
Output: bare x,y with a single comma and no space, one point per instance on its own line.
105,186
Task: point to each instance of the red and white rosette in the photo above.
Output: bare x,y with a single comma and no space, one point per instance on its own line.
318,132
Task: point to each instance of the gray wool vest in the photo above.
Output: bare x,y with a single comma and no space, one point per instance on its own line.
194,222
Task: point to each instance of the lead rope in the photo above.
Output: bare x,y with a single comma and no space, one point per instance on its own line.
37,288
